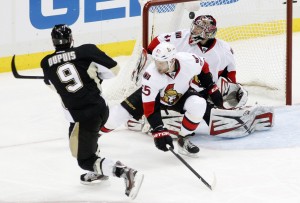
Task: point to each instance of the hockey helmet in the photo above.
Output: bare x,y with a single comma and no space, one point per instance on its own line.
164,57
62,36
203,27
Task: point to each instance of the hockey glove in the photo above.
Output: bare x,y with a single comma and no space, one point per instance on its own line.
216,96
241,96
162,138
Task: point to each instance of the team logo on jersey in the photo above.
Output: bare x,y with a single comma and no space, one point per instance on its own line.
167,38
146,75
196,81
171,96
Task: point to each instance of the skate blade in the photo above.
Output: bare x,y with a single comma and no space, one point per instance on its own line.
185,153
138,180
214,182
95,182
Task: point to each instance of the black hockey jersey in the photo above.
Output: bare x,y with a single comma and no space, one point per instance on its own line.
75,74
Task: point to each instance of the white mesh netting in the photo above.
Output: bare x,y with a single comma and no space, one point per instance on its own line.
256,30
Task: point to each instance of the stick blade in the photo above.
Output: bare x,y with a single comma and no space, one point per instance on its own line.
17,75
13,67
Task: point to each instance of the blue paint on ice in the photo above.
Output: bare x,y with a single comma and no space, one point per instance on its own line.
284,134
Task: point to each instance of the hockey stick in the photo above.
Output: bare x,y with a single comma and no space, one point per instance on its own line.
16,74
210,186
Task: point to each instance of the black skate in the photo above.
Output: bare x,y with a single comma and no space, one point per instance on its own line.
186,147
133,179
92,178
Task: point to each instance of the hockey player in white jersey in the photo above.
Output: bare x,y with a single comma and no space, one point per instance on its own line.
166,85
200,39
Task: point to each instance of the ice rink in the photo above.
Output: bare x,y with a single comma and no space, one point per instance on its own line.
37,166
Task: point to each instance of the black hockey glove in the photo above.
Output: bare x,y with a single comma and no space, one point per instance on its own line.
216,96
162,138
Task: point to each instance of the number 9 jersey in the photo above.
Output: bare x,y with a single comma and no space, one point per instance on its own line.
76,75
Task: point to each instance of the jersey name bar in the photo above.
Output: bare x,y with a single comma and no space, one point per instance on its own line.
63,57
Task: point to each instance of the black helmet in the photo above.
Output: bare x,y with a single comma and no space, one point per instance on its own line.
61,36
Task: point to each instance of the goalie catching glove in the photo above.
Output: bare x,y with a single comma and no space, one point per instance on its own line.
234,94
162,138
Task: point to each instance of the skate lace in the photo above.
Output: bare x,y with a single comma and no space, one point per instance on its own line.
128,175
189,145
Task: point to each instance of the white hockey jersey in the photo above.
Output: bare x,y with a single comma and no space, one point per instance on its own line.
219,56
170,86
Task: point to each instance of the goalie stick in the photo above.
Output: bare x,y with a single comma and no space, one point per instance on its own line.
17,75
210,186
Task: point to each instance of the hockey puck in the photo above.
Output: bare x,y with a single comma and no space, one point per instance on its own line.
192,15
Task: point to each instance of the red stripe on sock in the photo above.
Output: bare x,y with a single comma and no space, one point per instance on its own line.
189,125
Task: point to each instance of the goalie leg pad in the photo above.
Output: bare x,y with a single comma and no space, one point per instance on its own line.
135,125
240,122
172,121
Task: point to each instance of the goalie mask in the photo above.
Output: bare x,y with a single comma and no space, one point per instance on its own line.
164,57
203,27
61,36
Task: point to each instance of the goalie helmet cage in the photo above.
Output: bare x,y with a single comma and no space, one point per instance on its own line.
246,25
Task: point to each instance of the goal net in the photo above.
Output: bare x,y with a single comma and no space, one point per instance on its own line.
255,29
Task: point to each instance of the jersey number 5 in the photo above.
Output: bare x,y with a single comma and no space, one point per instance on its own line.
67,73
146,90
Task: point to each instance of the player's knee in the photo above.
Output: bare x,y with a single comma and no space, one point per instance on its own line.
195,105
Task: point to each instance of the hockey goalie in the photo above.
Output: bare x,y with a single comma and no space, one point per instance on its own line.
235,121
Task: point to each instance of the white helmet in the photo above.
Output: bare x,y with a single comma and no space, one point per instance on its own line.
165,52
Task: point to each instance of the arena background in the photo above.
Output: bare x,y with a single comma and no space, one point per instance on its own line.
112,25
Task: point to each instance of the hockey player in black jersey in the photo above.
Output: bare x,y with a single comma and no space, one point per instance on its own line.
75,73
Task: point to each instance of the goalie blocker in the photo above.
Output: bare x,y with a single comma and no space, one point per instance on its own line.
234,122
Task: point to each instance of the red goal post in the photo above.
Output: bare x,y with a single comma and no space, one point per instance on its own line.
276,59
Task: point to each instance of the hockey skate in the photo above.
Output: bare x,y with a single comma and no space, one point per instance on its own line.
92,178
133,179
186,147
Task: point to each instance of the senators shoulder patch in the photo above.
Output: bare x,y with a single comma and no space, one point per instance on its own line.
147,76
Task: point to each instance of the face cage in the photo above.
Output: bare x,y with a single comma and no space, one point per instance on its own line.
208,32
